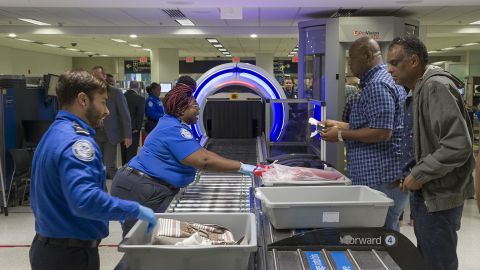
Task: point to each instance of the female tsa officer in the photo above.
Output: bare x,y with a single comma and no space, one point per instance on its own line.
169,158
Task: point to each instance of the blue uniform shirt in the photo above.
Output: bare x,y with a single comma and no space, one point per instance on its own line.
380,105
153,108
67,186
166,146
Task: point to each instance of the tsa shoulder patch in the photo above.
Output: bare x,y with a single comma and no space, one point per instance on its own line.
83,150
150,104
186,134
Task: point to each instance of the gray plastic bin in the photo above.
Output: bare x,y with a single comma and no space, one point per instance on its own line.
340,182
323,206
141,255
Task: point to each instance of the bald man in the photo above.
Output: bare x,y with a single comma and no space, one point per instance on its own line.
373,135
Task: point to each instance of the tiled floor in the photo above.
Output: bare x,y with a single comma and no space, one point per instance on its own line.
17,231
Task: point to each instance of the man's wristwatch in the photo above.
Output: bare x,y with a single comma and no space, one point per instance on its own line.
340,138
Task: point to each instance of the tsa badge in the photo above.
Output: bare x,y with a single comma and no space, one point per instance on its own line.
83,150
186,134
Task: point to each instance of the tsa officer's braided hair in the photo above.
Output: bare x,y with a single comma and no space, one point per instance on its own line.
178,99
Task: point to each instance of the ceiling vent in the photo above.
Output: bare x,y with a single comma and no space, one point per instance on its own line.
174,13
343,13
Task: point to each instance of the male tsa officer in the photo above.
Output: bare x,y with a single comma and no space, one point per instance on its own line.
67,186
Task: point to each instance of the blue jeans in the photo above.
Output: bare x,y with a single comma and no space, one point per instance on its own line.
436,234
399,199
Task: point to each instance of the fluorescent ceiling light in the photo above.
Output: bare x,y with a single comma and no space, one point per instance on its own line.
448,48
26,40
228,55
477,22
185,22
119,40
88,52
133,36
290,55
51,45
433,51
104,55
438,63
72,49
295,49
253,35
33,21
135,45
217,45
470,44
212,40
225,52
294,52
12,35
222,49
148,50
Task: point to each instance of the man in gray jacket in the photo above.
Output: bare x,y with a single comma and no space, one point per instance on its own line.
117,126
442,138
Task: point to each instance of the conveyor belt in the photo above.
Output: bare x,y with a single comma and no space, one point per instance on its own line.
220,192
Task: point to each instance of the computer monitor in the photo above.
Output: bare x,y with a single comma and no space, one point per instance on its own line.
166,87
51,82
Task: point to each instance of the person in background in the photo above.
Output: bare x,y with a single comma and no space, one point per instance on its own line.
110,80
169,158
136,106
153,107
188,81
442,136
289,88
373,135
67,194
117,126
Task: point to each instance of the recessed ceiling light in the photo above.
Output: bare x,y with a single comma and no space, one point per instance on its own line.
26,40
33,21
470,44
448,48
12,35
212,40
119,40
135,45
104,55
88,52
228,55
72,49
133,36
149,50
225,52
253,35
477,22
185,22
222,49
218,45
51,45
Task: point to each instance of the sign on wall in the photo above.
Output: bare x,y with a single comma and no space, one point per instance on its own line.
137,66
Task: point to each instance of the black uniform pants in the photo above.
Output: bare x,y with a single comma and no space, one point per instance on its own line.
151,193
46,256
150,125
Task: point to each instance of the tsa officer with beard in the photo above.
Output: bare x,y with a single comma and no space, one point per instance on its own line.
67,195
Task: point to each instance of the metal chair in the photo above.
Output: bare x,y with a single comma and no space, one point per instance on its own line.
20,176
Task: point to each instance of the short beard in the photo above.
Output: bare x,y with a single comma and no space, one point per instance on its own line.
94,117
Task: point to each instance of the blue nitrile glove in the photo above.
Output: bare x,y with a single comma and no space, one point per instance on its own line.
247,169
145,213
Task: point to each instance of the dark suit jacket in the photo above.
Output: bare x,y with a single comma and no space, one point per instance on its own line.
136,106
117,126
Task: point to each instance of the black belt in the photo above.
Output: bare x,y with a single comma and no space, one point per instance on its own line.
68,242
146,176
